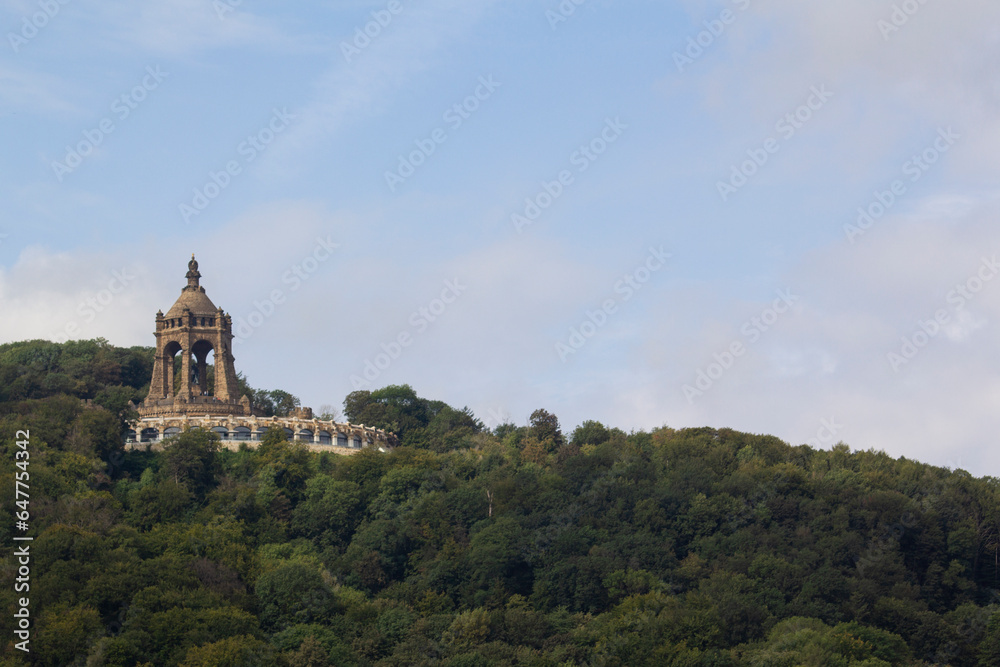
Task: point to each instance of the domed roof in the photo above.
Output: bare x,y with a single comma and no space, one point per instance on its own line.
193,296
195,301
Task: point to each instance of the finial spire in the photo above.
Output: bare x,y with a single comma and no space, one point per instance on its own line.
192,275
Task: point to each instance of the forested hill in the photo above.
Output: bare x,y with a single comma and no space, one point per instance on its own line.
468,547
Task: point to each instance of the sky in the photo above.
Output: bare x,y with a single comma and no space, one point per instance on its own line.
770,215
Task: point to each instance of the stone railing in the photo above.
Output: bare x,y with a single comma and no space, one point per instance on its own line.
239,429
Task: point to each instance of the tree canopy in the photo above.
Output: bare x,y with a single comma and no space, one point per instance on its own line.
469,547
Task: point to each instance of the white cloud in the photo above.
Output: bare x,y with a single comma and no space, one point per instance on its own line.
61,296
493,348
415,37
25,90
830,357
180,28
939,69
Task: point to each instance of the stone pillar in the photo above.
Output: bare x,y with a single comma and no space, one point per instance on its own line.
185,392
226,386
158,383
202,379
168,363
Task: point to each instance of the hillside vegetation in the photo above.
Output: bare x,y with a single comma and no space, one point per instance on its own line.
467,547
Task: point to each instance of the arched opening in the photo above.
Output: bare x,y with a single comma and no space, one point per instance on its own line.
149,435
341,440
169,364
324,438
289,433
356,442
241,433
305,435
169,432
221,431
259,434
202,366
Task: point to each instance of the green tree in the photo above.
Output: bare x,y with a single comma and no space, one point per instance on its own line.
545,427
64,633
590,433
282,468
230,652
96,433
162,501
292,593
989,648
284,402
119,400
190,459
329,512
310,653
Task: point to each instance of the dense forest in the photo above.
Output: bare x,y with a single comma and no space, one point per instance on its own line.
468,547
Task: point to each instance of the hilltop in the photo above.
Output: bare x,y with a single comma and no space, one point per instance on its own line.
465,546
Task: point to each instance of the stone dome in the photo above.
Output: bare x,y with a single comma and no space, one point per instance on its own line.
195,301
193,296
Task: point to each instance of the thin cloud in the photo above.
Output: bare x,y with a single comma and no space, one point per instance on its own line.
181,28
360,83
25,90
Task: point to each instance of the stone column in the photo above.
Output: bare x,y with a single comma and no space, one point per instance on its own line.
202,379
185,392
158,382
168,364
226,385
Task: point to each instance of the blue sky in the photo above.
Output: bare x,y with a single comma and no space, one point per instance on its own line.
739,138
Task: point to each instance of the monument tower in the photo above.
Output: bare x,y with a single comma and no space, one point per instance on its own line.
193,327
183,398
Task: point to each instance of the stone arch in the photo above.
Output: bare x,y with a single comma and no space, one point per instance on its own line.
197,329
199,380
170,350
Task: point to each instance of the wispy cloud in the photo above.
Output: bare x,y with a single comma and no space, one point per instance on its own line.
417,37
182,28
26,90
